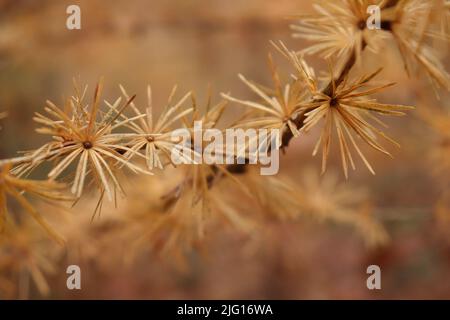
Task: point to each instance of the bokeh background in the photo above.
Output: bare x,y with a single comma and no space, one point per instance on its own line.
197,43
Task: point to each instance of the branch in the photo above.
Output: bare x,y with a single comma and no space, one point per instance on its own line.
172,196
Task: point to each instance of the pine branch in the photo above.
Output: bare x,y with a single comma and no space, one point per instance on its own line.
287,136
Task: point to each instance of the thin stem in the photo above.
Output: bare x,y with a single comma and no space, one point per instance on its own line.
16,160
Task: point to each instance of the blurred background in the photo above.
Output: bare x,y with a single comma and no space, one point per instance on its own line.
197,43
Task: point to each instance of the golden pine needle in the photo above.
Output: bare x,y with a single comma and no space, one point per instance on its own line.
16,187
155,138
348,107
86,136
